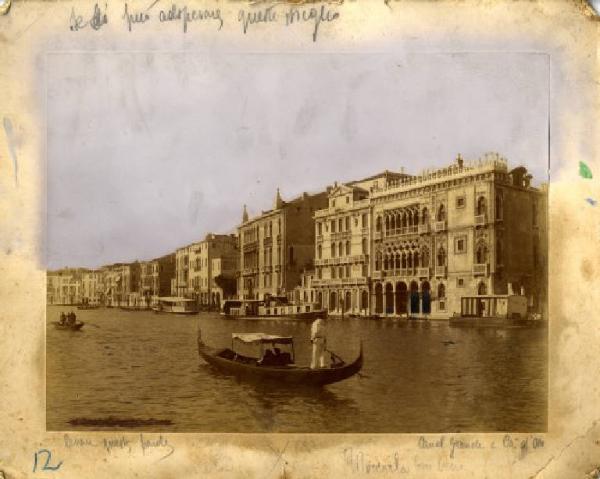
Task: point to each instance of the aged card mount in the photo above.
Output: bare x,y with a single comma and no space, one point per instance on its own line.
418,181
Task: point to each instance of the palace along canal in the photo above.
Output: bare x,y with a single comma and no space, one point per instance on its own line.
418,376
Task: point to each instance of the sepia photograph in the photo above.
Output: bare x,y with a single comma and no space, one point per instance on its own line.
297,243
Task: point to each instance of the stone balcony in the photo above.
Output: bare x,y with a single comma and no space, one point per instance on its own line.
424,228
440,226
481,269
423,272
406,230
340,282
361,258
354,281
440,271
480,220
401,273
341,235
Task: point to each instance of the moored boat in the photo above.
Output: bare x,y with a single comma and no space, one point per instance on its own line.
175,305
496,311
273,307
254,363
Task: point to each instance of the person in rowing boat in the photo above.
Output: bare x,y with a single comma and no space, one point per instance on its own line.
281,358
319,340
63,318
267,359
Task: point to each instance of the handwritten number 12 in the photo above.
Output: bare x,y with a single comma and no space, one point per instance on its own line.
47,466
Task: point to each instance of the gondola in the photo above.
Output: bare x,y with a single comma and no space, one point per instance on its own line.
64,326
254,367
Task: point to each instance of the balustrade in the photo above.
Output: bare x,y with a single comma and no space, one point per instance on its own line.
480,269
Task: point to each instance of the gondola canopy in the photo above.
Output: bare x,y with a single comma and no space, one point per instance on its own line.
261,338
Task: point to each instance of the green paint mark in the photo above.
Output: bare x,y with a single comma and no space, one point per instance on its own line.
584,171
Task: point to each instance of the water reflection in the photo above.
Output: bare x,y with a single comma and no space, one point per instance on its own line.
418,376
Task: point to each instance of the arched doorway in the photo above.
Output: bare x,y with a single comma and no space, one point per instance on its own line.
364,300
348,302
332,299
414,297
378,298
389,298
401,297
425,297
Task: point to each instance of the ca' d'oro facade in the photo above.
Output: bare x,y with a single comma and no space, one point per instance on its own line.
342,278
399,245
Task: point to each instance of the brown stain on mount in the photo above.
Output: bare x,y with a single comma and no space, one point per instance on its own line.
587,270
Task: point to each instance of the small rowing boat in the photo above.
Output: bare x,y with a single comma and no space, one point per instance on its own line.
68,327
278,367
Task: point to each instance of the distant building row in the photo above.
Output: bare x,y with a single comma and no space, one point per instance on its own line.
204,271
391,244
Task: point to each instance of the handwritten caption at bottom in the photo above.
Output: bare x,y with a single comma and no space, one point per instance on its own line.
146,444
455,448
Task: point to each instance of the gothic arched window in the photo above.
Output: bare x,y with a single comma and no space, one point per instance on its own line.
441,214
441,256
481,206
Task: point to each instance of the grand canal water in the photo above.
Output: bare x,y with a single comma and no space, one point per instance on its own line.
418,376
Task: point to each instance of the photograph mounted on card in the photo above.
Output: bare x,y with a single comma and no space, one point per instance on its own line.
233,247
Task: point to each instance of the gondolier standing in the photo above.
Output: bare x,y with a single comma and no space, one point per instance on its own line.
318,339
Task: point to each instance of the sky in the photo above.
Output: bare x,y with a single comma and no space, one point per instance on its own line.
149,151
